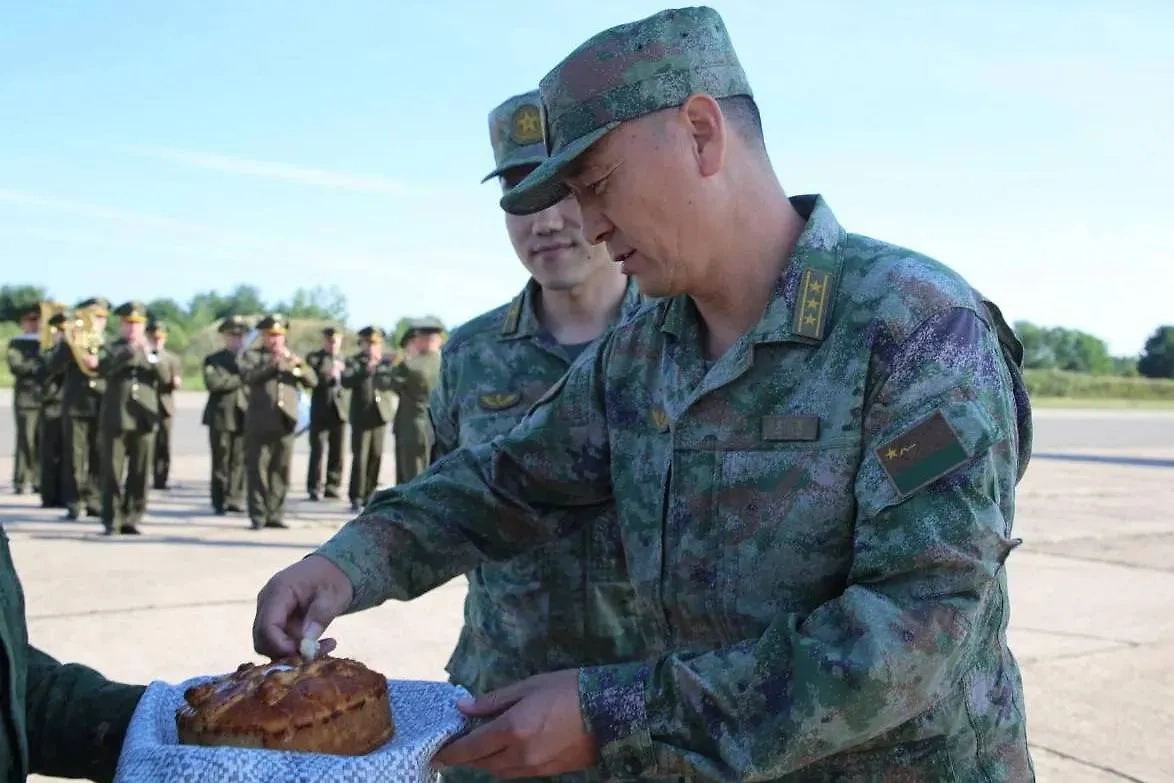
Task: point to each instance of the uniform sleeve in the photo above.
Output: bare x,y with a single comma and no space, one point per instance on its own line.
218,378
256,368
442,411
76,719
491,501
22,365
923,595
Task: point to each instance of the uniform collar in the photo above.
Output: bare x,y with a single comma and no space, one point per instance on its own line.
801,305
521,318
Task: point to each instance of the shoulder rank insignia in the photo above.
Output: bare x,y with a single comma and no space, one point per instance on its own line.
510,324
811,303
922,454
499,401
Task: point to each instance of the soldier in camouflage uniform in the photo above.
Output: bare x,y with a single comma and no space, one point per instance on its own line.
413,380
369,377
161,467
52,440
24,362
273,374
224,416
81,401
813,440
134,375
570,603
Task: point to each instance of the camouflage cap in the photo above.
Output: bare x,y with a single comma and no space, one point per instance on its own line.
132,312
515,132
621,74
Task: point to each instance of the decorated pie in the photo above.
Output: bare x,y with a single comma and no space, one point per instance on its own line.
325,705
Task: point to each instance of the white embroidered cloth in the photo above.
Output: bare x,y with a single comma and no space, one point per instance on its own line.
426,716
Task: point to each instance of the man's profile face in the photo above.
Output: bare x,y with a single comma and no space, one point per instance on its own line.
550,243
642,191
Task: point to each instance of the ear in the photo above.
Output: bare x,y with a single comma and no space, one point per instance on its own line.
707,128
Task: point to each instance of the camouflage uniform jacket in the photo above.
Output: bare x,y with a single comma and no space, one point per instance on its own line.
568,603
816,523
61,720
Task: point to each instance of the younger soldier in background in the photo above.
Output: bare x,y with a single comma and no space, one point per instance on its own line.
81,401
157,337
52,438
129,419
369,377
24,362
224,416
273,374
570,604
413,381
329,405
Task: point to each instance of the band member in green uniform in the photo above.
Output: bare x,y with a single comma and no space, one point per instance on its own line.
370,377
329,406
129,419
157,337
273,374
415,377
24,362
52,436
224,416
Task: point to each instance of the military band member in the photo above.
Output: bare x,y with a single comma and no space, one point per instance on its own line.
224,416
328,415
129,419
273,374
81,402
24,361
52,437
370,377
157,337
414,379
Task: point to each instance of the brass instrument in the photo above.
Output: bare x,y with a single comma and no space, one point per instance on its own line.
48,309
83,337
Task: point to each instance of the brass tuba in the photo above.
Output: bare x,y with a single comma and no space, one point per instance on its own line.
83,337
48,309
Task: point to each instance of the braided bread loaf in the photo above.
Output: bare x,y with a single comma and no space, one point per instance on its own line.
327,705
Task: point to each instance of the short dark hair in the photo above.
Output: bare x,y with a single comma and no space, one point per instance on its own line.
741,112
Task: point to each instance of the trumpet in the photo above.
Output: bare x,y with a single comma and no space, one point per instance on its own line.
83,337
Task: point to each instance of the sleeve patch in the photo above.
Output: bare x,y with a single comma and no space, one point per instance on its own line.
922,454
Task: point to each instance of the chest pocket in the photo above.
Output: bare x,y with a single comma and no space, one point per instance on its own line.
786,511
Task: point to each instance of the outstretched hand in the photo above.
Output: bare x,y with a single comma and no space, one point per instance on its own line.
536,731
299,602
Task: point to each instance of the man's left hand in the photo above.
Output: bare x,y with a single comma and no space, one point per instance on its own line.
537,732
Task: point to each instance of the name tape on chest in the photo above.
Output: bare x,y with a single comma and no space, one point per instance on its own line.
922,454
790,428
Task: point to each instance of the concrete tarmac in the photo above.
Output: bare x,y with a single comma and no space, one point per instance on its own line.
1092,615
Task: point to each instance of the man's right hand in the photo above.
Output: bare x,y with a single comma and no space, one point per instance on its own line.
301,600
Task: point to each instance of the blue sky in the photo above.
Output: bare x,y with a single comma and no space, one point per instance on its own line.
162,148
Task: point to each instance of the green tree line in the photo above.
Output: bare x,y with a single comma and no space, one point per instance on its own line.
191,330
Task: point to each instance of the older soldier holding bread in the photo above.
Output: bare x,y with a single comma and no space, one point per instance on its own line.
813,441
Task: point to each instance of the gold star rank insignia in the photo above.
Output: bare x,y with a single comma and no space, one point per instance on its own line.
526,125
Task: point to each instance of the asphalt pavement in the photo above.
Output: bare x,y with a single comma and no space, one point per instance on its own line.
1092,587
